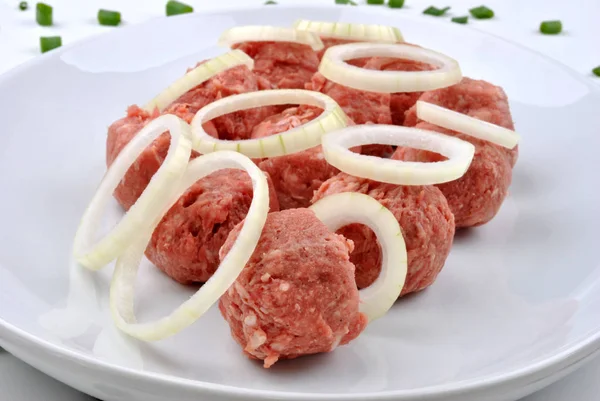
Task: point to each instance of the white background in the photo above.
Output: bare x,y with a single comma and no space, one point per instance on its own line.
518,20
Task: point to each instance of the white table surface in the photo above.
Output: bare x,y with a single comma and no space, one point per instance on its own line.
517,20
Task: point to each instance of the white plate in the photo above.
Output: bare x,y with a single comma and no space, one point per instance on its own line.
516,306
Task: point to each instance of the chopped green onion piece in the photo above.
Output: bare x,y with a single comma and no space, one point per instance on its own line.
48,43
378,2
110,18
460,20
352,3
176,8
396,3
23,6
438,12
551,27
43,14
596,71
482,12
270,2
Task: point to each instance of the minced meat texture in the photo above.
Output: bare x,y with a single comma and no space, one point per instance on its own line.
285,65
185,244
476,197
296,176
296,295
425,219
475,98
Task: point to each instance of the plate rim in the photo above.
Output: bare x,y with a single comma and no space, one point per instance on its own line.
530,373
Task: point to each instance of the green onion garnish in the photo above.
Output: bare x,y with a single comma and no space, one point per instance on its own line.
438,12
551,27
48,43
23,6
270,2
43,14
378,2
176,8
460,20
482,12
596,71
110,18
352,3
395,3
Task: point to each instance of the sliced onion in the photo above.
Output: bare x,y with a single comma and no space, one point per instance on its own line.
122,286
465,124
334,67
198,75
294,140
358,32
338,210
95,256
459,154
258,33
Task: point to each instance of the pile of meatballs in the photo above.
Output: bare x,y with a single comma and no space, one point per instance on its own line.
298,294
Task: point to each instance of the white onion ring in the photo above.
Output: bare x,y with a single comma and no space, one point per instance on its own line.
335,68
459,154
122,285
465,124
258,33
197,76
339,210
358,32
152,199
294,140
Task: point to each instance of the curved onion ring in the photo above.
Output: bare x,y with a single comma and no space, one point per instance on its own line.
338,210
153,198
258,33
358,32
122,286
459,154
198,75
334,67
294,140
465,124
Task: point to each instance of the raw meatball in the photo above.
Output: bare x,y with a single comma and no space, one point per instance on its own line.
479,99
285,65
362,107
296,295
185,244
330,42
476,197
425,219
233,81
399,102
297,176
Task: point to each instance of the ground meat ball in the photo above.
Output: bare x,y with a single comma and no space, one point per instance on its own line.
233,81
399,102
329,42
425,219
297,176
362,107
185,245
476,197
479,99
285,65
296,295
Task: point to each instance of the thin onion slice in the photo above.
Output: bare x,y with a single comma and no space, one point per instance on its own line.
358,32
346,208
294,140
122,285
335,68
197,76
265,33
465,124
459,154
95,256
